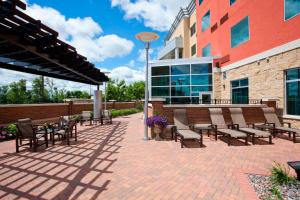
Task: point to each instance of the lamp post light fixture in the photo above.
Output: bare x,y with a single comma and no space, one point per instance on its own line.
146,38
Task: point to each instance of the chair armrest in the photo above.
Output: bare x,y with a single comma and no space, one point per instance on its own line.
271,124
250,124
233,126
287,123
214,126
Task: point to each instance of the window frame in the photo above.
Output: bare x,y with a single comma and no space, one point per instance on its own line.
192,47
206,46
203,30
239,87
286,92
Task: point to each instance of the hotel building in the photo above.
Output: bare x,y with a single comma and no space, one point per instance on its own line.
235,50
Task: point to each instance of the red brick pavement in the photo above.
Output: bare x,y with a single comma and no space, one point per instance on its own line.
113,162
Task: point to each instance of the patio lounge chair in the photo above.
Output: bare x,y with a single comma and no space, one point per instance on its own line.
27,131
86,116
221,128
66,132
182,129
238,119
276,126
106,116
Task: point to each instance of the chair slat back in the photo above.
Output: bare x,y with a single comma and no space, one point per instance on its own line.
216,116
238,117
106,114
86,115
180,119
271,116
25,128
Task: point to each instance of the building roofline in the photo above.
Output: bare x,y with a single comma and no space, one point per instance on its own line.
183,12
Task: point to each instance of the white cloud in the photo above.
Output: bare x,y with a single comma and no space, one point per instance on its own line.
128,74
84,33
156,14
142,54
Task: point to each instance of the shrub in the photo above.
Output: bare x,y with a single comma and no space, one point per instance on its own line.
276,194
280,175
12,129
116,113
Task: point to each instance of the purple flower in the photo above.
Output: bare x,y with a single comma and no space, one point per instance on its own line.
157,120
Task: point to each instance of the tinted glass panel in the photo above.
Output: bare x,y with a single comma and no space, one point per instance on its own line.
193,50
160,91
180,69
291,8
202,88
293,74
244,82
232,2
195,94
293,98
206,51
180,91
193,29
240,33
202,68
160,81
200,1
240,96
180,80
157,71
205,21
235,84
201,80
186,100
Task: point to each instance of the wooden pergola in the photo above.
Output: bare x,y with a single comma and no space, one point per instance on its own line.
27,45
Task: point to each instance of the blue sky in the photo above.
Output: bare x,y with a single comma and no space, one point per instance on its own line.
104,30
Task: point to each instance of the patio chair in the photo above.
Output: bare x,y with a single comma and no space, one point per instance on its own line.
62,124
276,126
66,132
221,128
86,116
182,129
27,131
238,119
106,116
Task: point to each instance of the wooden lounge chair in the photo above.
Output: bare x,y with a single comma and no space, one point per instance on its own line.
86,116
238,118
27,131
221,128
106,116
182,129
276,126
66,132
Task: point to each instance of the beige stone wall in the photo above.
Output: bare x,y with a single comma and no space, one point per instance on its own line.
193,39
266,78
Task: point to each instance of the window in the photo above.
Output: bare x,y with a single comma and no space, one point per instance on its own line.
206,51
205,68
240,91
201,80
291,8
200,2
193,29
160,91
158,71
193,50
232,2
180,80
240,33
181,91
160,81
205,21
180,69
293,91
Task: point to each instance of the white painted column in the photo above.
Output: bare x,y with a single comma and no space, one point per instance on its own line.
97,103
176,53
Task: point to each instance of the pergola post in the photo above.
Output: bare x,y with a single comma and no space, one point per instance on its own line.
97,103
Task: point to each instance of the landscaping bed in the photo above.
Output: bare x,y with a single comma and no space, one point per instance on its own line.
124,112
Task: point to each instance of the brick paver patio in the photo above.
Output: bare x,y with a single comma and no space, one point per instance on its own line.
113,162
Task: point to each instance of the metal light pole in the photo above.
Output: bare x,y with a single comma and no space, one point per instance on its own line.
146,38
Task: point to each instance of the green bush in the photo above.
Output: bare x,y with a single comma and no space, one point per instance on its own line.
117,113
280,175
276,194
12,129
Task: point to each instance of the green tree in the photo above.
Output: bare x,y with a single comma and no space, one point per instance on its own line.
39,93
3,92
17,93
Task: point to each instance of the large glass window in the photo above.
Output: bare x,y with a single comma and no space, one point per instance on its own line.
160,91
240,32
180,69
201,79
206,51
240,91
180,91
291,8
205,22
202,88
193,49
232,2
293,91
180,80
200,2
204,68
160,81
158,71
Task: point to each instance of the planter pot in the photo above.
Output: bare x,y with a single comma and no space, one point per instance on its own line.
157,130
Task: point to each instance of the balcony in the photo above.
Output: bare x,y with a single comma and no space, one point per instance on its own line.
169,50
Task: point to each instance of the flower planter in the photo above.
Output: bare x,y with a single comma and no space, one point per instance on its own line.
157,130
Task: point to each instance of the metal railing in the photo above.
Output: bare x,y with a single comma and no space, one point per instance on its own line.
213,101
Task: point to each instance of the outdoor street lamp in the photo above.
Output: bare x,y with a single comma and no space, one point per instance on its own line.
146,38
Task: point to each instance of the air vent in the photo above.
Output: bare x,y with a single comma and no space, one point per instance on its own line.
214,27
224,19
